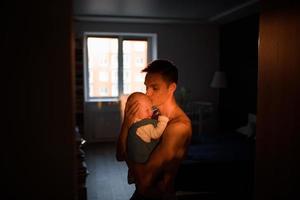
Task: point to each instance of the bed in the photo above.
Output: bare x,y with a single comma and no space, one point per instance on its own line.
219,165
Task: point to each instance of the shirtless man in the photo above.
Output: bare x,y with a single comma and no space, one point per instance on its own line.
155,178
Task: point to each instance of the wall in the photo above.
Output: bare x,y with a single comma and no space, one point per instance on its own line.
38,134
192,47
278,114
239,60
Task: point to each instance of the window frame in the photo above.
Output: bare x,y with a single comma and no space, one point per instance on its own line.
121,36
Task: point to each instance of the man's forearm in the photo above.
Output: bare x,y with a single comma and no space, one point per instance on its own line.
121,144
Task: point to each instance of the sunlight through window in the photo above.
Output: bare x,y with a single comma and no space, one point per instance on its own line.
106,78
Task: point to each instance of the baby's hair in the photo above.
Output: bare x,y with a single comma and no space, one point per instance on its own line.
133,96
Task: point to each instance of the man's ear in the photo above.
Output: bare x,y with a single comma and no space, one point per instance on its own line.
172,87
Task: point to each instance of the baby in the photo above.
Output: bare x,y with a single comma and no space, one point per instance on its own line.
144,133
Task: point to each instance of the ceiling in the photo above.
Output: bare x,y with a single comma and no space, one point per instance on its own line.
199,11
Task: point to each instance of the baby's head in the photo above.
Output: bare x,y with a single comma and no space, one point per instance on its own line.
145,110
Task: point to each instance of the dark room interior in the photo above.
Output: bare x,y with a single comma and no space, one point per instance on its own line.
245,143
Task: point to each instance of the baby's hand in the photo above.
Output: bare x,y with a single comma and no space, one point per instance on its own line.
155,113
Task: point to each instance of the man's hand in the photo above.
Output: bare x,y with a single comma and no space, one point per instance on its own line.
130,113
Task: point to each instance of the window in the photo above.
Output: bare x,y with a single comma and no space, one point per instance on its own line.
113,64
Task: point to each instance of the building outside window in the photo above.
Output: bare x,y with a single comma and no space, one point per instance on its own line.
113,64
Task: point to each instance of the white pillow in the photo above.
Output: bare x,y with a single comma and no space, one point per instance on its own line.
251,118
250,129
245,130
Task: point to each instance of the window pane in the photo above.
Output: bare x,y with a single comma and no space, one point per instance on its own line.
102,66
134,60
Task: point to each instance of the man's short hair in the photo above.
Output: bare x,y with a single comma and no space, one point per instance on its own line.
166,68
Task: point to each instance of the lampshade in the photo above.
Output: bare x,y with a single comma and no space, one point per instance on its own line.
219,80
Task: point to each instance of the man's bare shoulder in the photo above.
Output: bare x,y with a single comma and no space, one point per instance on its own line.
180,125
181,119
177,137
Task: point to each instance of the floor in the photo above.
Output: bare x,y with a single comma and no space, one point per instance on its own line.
107,179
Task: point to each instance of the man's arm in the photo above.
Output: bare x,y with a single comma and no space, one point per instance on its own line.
170,150
121,143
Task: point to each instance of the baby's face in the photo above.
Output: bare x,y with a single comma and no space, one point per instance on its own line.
145,110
